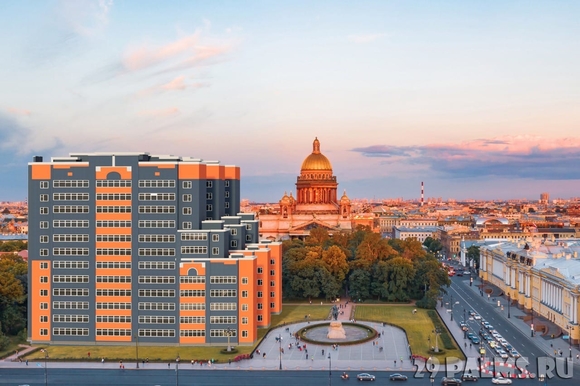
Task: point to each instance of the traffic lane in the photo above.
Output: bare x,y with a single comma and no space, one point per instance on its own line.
65,377
513,335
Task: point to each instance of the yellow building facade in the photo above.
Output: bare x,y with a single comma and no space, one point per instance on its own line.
542,276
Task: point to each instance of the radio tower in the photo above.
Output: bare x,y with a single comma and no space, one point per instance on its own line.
422,194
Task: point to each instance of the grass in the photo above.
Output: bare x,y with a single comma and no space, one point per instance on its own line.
418,326
12,347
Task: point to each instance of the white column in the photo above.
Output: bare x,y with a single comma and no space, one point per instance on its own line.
575,309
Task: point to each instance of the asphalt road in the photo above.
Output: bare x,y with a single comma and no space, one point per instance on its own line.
65,377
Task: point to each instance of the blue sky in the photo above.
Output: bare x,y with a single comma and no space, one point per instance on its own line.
477,99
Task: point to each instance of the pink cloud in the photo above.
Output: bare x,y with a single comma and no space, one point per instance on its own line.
144,57
177,84
168,112
19,112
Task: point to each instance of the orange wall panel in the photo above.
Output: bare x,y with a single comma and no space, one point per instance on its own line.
112,190
232,172
36,299
193,171
198,266
158,166
215,172
112,216
41,172
123,171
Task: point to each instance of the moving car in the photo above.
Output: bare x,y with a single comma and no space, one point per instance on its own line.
514,353
477,317
397,377
501,381
365,377
475,339
450,381
469,377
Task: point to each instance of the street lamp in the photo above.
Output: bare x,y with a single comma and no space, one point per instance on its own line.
464,329
436,331
570,340
177,370
432,379
329,370
509,301
532,326
137,349
280,350
45,351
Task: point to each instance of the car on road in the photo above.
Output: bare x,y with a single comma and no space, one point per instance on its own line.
477,317
514,353
485,324
397,377
459,273
501,381
450,381
503,354
492,343
365,377
490,327
475,340
470,335
469,377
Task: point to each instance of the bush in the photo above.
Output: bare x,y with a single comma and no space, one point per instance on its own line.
4,341
427,303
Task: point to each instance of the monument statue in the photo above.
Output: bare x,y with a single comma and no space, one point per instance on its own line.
336,331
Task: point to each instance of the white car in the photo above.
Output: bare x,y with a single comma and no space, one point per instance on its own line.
477,317
503,354
501,381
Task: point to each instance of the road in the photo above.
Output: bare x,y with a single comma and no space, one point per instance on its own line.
89,377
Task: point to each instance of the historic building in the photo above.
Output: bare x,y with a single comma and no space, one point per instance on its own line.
132,247
541,276
316,203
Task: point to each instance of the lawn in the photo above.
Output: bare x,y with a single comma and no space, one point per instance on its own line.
418,326
291,313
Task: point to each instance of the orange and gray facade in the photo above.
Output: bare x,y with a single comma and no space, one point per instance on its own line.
133,247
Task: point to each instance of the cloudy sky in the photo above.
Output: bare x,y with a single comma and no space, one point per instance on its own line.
477,99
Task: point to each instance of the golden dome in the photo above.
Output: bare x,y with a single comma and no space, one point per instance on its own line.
344,198
316,160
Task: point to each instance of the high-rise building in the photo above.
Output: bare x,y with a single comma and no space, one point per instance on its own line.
133,247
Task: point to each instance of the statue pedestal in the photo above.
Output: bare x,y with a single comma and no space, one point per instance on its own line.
335,331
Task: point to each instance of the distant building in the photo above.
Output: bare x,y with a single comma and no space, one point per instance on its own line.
316,203
131,247
419,233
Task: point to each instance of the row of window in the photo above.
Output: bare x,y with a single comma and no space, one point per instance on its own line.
113,292
69,292
113,306
67,305
149,319
113,209
66,238
113,252
114,238
151,238
156,279
67,197
157,197
223,319
192,293
156,251
192,306
143,319
142,279
64,264
223,279
123,183
224,307
159,293
156,265
113,196
114,264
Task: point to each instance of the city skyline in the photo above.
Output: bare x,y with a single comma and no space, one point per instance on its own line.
476,100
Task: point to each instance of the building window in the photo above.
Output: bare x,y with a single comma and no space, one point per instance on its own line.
186,185
187,225
272,295
260,306
227,205
44,210
209,207
43,184
227,184
244,280
272,305
215,251
44,225
260,282
234,231
44,319
187,198
244,307
44,306
44,265
244,320
244,294
272,272
260,318
215,237
44,239
209,196
227,194
244,333
43,197
259,294
272,283
209,184
248,237
44,252
249,227
260,270
43,292
44,331
234,243
44,279
272,261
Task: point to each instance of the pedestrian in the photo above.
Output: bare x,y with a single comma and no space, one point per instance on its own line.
395,362
120,364
27,362
102,360
169,365
577,356
323,352
306,356
264,355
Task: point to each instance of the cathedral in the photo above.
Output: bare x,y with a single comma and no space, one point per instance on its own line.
316,203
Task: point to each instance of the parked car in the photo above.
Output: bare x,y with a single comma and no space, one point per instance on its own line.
470,335
490,327
475,340
469,377
501,381
450,381
365,377
397,377
503,354
485,324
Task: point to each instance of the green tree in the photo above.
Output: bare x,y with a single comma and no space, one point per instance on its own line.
473,255
359,284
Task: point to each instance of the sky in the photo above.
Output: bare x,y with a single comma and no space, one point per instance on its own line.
477,99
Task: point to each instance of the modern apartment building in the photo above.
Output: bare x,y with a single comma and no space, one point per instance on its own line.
133,247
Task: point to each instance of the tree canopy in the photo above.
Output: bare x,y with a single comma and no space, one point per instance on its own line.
362,265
